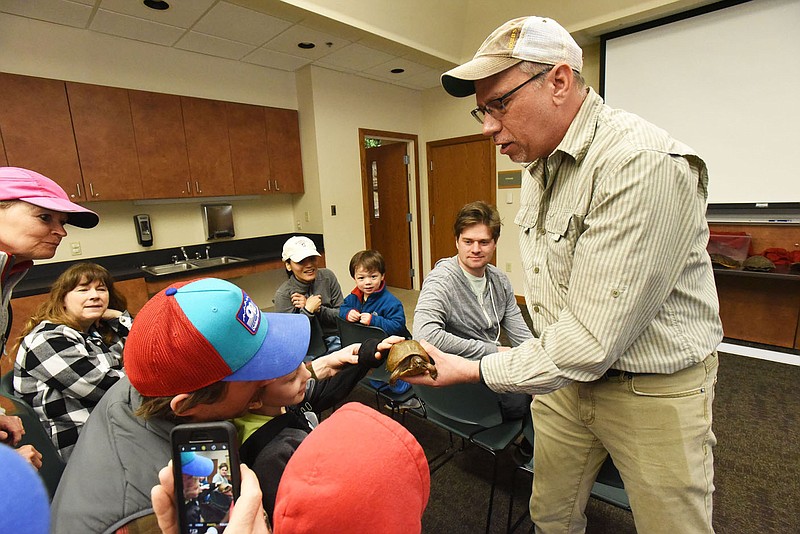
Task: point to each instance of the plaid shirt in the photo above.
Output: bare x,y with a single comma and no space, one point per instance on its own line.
63,373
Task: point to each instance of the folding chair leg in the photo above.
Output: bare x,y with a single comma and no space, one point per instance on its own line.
491,494
509,527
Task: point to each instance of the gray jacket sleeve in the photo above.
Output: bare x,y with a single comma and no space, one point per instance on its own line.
513,322
434,307
283,299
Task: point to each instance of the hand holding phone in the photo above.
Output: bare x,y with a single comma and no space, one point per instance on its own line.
205,464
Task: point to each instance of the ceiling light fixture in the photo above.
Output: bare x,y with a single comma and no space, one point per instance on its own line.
397,71
306,45
159,5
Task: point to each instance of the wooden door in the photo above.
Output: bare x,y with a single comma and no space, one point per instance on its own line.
460,170
206,128
37,130
248,137
101,120
283,140
160,144
390,229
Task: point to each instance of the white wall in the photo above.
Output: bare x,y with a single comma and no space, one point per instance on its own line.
343,103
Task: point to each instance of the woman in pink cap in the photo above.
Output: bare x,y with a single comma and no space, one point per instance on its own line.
33,212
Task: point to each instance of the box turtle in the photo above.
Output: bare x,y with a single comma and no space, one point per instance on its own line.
408,358
758,263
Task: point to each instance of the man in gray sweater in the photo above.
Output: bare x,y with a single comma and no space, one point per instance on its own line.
465,300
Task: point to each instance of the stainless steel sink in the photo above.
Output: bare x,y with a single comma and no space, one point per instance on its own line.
213,262
169,268
190,265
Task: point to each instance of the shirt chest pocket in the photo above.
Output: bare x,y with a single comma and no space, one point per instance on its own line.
560,237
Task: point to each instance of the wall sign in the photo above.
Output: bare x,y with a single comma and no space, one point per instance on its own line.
509,179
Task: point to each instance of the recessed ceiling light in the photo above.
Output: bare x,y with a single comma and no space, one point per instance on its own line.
160,5
306,45
397,71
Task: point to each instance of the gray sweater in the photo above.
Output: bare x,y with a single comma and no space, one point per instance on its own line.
326,286
113,466
449,316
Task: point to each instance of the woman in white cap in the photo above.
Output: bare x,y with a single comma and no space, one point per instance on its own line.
310,290
33,212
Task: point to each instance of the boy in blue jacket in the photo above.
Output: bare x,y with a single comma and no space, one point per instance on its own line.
370,303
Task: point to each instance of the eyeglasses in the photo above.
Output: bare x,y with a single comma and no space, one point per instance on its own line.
497,107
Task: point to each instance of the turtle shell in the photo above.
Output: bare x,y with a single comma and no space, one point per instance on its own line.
408,358
721,260
758,263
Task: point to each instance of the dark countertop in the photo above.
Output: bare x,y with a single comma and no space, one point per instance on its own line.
781,272
127,266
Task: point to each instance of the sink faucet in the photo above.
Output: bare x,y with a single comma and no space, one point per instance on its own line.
185,257
208,252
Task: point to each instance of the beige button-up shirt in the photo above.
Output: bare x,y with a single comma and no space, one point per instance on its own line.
613,243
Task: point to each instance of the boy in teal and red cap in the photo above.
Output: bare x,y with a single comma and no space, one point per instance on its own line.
198,351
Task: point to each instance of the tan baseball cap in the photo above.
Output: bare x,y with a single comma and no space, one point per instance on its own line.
536,39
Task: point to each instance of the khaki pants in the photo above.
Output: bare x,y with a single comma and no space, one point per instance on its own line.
657,429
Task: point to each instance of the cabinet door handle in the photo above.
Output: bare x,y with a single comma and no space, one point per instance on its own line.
276,186
188,189
269,185
197,186
91,190
78,187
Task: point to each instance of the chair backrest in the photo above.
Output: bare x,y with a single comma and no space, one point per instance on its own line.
472,404
357,333
35,434
316,346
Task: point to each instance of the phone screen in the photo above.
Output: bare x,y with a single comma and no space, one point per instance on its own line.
206,492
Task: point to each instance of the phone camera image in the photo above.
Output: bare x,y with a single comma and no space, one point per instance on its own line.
207,488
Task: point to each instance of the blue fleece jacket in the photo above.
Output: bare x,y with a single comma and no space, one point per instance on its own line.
387,311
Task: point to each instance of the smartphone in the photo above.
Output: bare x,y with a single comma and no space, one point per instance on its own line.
205,463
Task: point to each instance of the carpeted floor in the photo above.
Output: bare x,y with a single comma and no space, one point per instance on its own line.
757,461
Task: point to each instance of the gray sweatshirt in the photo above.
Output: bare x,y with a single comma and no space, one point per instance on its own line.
326,286
449,316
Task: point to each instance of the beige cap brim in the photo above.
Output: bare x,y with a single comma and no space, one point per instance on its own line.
460,81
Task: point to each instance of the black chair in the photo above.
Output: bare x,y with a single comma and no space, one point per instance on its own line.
608,486
471,412
316,346
357,333
35,434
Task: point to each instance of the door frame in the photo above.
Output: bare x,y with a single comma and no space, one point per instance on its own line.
412,149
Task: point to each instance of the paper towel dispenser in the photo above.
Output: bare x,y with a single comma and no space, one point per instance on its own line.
218,220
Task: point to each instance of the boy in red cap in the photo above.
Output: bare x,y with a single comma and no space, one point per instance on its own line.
198,351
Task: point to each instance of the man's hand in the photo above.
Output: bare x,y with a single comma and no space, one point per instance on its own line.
33,456
11,429
247,516
452,369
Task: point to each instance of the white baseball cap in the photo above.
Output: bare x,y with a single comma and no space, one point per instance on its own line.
297,248
536,39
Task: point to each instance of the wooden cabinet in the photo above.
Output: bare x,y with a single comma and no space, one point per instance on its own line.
248,138
206,128
3,160
161,144
283,141
101,120
37,130
105,143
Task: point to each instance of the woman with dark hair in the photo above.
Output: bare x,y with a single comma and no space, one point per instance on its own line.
70,351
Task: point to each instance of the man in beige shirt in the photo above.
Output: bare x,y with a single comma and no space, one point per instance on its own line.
618,284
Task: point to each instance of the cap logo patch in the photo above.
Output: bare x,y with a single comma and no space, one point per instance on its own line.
249,314
512,38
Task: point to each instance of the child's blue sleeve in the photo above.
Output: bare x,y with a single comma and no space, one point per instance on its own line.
350,302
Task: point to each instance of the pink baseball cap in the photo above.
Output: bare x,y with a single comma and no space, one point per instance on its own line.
34,188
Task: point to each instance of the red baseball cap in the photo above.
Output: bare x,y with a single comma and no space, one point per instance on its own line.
34,188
